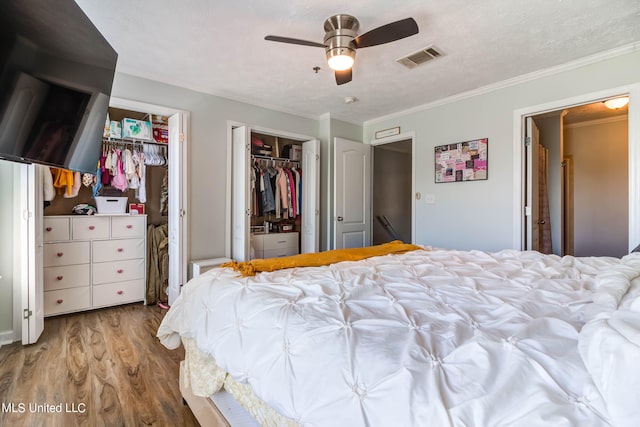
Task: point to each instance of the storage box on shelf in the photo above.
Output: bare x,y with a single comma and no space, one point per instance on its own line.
93,261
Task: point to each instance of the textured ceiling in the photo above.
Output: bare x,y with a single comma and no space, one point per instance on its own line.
218,47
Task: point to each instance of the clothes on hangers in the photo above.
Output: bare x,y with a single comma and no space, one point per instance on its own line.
48,190
275,189
62,180
123,165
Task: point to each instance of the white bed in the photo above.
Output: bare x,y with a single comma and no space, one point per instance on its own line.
429,337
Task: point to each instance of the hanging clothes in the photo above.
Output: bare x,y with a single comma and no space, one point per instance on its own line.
157,264
164,194
62,180
141,191
291,194
119,180
97,182
75,186
48,190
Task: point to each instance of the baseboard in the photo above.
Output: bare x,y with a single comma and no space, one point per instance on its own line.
7,337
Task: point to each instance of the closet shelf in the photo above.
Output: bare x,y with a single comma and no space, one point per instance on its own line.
132,141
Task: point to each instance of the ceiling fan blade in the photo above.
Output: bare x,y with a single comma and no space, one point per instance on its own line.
293,41
344,76
387,33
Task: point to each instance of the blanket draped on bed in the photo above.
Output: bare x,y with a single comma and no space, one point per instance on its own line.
427,338
250,268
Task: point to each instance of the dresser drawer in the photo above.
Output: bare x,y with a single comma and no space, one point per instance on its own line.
90,227
56,229
118,293
66,276
118,271
128,226
66,253
66,300
280,252
114,250
280,240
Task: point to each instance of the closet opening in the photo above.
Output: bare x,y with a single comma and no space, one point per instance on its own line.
274,197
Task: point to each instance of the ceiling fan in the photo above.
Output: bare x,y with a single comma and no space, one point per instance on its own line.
341,41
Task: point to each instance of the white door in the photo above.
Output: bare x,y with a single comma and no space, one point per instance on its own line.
310,196
240,193
177,226
352,194
31,252
532,211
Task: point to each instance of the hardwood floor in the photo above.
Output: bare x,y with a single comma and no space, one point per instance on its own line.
97,368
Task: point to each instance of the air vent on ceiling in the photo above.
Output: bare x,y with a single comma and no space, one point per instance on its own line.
420,57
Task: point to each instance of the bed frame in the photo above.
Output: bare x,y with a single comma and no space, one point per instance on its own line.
205,411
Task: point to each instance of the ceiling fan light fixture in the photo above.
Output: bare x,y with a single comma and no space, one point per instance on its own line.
615,103
342,61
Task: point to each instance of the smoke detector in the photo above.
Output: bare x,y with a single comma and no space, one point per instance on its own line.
420,57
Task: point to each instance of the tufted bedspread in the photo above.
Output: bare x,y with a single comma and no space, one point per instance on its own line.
426,338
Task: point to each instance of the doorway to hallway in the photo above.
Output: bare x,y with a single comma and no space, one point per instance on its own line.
577,181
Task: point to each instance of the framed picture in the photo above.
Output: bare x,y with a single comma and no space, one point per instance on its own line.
462,161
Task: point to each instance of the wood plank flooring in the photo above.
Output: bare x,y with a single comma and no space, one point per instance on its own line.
96,368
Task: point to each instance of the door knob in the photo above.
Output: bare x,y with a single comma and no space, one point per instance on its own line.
542,221
340,218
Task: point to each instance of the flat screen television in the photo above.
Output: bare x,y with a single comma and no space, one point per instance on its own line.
56,74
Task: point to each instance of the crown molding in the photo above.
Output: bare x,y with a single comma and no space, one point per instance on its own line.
587,60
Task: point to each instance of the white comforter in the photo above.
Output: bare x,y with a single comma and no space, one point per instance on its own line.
427,338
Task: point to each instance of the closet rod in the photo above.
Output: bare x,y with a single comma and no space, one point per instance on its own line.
132,141
276,159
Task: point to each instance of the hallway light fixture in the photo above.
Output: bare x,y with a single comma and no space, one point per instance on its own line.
615,103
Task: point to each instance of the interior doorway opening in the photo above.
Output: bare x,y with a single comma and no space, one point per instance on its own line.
576,175
392,193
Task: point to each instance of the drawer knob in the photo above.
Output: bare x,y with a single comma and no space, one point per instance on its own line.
48,228
92,227
60,254
120,249
60,301
60,277
120,271
129,226
120,292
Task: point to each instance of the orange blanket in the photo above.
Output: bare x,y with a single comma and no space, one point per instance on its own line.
250,268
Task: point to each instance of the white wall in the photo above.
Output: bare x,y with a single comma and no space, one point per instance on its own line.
600,182
329,129
207,151
480,214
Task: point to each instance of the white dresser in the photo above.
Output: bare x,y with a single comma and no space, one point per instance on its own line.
93,261
274,245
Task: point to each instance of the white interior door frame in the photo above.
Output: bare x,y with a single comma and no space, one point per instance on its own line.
519,116
231,125
178,187
402,137
29,247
